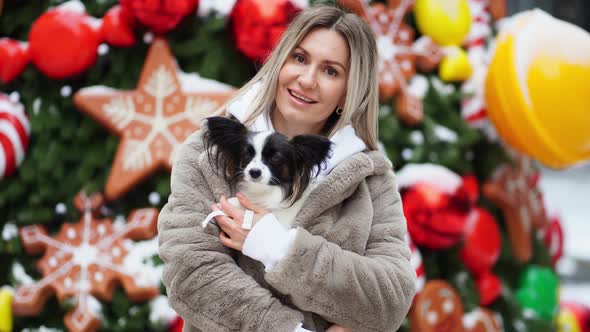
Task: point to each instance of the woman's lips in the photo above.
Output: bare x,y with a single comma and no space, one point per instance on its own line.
294,96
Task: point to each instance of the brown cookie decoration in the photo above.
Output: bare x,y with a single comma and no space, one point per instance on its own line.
399,53
152,120
514,189
438,308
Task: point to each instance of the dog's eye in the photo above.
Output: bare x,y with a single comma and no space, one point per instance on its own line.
276,159
250,150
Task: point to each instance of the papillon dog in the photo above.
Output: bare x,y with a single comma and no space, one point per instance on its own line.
273,172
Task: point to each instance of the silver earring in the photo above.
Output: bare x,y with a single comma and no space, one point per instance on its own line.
339,110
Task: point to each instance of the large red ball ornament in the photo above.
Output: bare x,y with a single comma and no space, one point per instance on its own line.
259,24
14,57
482,242
117,27
63,43
160,16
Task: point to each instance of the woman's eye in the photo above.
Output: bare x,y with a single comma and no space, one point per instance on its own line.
331,71
299,58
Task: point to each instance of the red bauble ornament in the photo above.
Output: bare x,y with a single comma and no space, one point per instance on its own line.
63,43
482,242
489,288
481,249
176,325
259,24
117,27
160,16
435,219
14,57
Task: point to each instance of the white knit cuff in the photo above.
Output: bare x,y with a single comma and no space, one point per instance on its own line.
268,242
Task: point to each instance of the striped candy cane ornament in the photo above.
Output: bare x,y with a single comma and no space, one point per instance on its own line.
478,52
14,135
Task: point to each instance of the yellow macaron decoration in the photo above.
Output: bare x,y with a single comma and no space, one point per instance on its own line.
537,89
455,66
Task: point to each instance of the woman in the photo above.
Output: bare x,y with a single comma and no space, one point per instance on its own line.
344,264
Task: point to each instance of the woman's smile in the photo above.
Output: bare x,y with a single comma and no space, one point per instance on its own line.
299,99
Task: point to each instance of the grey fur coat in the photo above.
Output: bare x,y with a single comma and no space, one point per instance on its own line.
349,264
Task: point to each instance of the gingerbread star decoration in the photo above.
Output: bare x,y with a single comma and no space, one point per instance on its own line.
399,53
85,261
438,308
514,189
152,120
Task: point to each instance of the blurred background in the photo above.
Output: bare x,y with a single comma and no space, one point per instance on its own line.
484,113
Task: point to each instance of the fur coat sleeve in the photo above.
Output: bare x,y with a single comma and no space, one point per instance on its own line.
204,284
366,283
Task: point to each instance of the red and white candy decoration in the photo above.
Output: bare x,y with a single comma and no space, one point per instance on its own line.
473,107
553,237
14,135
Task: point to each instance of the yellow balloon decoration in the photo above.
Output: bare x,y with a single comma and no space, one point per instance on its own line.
537,88
455,66
5,310
447,22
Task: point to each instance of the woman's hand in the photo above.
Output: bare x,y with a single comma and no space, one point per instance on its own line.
337,328
232,234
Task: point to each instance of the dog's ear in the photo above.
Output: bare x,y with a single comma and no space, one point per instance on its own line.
224,133
220,129
311,154
224,140
312,150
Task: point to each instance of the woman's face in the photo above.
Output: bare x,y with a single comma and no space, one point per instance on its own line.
312,81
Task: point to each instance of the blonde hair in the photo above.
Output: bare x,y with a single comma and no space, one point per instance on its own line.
362,96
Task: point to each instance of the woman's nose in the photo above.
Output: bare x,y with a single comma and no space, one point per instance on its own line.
307,78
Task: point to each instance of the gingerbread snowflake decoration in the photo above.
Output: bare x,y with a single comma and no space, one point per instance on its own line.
514,188
152,120
85,261
399,53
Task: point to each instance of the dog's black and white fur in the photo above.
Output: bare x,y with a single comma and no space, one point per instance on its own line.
273,172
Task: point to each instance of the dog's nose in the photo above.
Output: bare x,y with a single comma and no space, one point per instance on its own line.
255,173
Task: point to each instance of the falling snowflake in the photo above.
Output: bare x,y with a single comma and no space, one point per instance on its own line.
85,261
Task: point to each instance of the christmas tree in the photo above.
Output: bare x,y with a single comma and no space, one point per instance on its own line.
96,97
